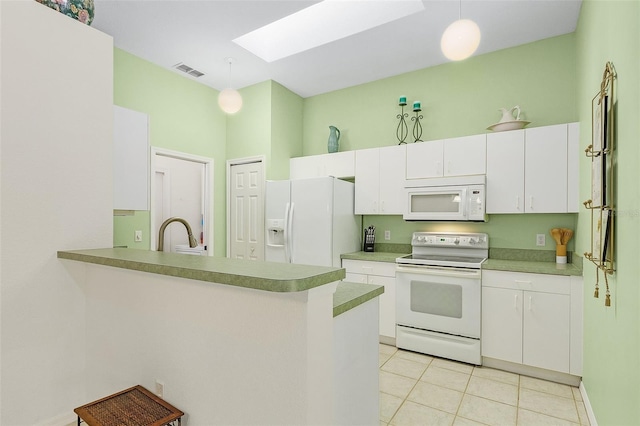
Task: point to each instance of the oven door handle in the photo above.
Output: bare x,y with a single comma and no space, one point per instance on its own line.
448,272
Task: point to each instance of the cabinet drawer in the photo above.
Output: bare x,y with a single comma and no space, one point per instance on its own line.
370,268
556,284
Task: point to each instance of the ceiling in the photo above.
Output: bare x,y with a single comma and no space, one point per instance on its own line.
200,33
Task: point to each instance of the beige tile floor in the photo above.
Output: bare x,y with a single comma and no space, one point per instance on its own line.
417,389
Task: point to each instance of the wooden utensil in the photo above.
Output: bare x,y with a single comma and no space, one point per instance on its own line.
566,235
556,233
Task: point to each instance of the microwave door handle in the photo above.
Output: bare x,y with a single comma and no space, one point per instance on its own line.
464,201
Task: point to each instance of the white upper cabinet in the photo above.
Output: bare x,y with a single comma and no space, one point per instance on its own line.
505,172
130,159
380,175
545,169
337,164
424,159
450,157
533,170
465,156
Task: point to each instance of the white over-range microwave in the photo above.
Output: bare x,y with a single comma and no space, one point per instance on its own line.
446,199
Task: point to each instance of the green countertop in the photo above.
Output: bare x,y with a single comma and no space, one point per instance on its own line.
376,256
531,266
349,295
268,276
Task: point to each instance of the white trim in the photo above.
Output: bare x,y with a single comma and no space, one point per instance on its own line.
587,405
208,192
235,162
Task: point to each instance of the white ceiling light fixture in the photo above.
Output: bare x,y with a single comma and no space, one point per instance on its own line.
230,100
322,23
461,39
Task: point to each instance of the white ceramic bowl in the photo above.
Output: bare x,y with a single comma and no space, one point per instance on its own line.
508,125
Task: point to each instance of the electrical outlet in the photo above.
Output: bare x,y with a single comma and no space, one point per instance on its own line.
137,236
387,235
159,388
540,240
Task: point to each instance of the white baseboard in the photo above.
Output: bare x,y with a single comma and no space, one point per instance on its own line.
587,405
61,420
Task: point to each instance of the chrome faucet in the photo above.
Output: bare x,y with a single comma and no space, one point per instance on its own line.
192,240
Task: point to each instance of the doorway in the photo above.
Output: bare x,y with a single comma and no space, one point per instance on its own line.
181,186
245,208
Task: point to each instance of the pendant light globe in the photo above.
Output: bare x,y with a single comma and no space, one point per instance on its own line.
460,40
230,101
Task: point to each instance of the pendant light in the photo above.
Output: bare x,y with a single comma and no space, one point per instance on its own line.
230,100
460,39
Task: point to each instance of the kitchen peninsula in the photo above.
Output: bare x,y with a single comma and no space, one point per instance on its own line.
231,341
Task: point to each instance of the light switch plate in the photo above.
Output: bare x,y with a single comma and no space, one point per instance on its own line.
137,236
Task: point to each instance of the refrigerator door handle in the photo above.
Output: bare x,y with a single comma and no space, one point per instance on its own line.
290,232
286,233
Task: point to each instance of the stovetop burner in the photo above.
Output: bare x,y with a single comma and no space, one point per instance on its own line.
447,249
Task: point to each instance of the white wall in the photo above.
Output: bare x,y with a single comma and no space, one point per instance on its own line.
56,193
226,355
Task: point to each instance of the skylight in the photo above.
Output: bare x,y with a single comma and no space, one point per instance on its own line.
322,23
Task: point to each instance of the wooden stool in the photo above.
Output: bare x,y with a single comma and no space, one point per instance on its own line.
135,406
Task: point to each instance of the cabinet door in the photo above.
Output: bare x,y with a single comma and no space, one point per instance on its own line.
306,167
465,156
505,172
546,331
339,164
367,186
502,324
392,176
424,159
546,169
387,304
130,159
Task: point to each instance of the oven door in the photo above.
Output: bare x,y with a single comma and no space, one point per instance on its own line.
436,203
439,299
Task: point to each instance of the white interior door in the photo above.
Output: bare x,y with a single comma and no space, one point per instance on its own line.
246,212
182,189
181,186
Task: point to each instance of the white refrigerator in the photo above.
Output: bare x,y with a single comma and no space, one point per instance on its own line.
310,221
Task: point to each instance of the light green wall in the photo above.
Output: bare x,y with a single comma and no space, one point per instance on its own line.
609,31
286,130
458,99
505,230
184,116
269,124
249,130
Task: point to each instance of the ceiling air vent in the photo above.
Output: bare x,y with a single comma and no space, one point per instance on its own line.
187,69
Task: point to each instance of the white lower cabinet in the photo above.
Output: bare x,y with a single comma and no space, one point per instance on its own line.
527,319
378,273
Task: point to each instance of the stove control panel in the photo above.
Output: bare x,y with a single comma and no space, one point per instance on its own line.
434,239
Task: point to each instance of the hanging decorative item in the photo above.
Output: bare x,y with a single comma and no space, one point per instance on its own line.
403,130
82,10
602,151
417,127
